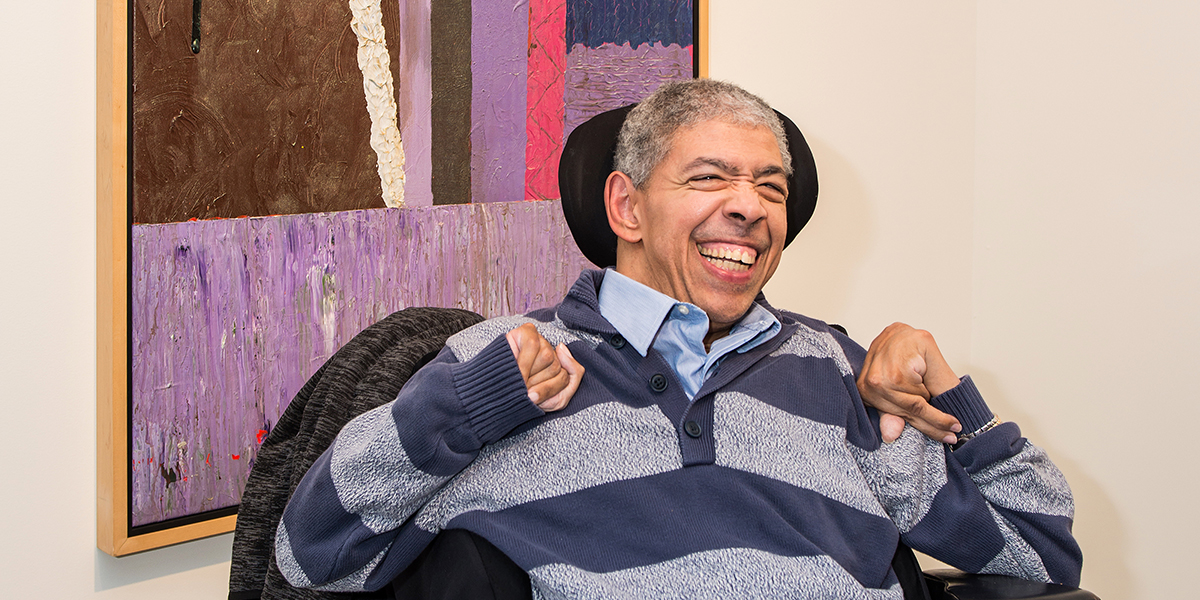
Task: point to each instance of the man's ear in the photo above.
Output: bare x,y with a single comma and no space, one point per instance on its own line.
620,198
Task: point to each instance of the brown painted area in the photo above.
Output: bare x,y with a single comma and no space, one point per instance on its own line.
269,118
450,148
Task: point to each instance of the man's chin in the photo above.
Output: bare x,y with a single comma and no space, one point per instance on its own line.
727,312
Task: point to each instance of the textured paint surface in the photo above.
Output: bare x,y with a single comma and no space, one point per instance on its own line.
620,51
374,60
408,34
230,317
450,100
610,76
544,128
633,22
269,118
499,34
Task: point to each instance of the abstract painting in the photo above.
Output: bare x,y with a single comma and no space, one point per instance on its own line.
299,170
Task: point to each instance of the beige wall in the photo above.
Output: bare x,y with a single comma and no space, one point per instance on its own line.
1015,176
1087,265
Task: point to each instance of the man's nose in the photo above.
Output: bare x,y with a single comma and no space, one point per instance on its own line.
744,203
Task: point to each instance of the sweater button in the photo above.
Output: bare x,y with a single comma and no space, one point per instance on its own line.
617,341
658,383
693,429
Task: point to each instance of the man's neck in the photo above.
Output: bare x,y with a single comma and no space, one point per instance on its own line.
715,333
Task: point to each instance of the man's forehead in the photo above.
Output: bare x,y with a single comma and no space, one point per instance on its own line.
703,149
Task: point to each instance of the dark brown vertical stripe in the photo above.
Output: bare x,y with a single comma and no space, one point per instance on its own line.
450,38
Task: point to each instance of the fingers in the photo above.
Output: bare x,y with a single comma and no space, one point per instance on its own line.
544,367
896,407
914,410
574,375
555,392
891,426
903,369
935,424
532,351
551,375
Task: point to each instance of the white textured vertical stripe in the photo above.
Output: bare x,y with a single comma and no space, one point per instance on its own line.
373,61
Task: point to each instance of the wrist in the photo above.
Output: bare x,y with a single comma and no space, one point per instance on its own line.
940,382
964,402
964,438
493,392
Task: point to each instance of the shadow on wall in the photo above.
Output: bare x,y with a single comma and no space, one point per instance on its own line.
1098,525
817,273
113,572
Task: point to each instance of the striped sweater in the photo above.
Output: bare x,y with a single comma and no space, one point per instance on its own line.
772,483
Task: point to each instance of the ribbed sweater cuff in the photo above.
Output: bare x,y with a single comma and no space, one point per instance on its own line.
493,393
966,404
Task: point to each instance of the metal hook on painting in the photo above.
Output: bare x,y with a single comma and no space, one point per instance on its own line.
195,26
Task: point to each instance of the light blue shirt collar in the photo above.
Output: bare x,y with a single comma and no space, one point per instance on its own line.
634,309
648,318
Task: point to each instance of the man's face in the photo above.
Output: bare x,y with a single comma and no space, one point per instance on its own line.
712,220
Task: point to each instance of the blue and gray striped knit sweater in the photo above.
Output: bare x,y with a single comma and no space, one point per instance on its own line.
773,483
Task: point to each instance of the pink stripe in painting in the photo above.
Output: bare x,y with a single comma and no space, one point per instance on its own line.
544,93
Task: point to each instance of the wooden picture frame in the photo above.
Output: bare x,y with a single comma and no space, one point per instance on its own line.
115,533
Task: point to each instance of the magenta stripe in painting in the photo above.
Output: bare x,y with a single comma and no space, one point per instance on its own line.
544,127
230,317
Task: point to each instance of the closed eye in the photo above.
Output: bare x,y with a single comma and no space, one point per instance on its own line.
708,182
773,191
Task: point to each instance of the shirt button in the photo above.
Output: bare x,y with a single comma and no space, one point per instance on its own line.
683,309
693,429
658,383
617,341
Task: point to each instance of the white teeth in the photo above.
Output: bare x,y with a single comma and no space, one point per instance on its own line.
740,259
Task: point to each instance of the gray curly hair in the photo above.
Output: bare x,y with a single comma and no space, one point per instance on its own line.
649,130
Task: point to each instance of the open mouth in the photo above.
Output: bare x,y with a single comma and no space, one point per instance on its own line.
730,259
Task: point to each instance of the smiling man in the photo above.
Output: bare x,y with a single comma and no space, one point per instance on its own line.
716,448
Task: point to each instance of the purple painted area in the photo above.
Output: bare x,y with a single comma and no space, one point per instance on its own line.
232,316
415,93
604,78
499,51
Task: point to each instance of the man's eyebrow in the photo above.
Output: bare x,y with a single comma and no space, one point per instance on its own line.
723,165
770,170
731,168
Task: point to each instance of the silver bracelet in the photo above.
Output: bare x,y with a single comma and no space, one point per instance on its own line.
962,439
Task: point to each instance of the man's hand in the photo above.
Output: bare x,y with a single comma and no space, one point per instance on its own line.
551,374
904,369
